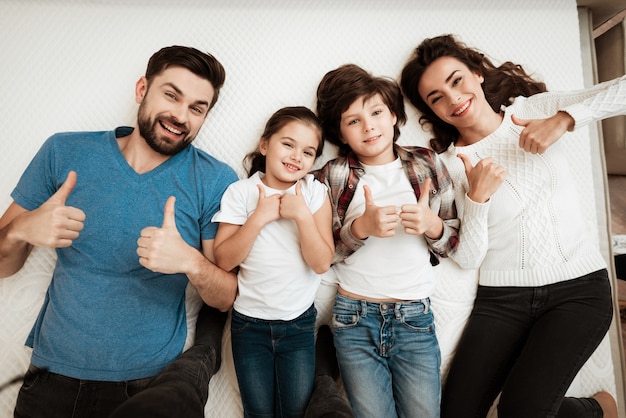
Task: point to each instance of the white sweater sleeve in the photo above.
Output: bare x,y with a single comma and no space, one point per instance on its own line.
598,102
608,99
473,233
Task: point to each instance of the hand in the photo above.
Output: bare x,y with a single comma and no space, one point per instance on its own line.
484,179
418,219
163,250
376,221
53,224
267,208
539,134
293,206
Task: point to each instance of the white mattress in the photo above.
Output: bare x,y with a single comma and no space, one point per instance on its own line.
72,65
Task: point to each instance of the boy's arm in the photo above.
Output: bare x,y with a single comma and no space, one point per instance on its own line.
443,203
345,241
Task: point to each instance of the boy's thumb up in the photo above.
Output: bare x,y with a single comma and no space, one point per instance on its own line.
424,192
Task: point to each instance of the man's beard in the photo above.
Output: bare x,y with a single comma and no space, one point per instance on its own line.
163,145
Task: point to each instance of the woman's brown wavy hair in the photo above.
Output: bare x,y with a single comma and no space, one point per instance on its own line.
502,83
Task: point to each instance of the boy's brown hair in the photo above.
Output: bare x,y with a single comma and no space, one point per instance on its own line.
344,85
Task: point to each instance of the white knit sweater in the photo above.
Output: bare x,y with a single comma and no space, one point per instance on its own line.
531,232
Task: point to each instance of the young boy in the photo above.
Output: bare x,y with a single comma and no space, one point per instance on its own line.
395,205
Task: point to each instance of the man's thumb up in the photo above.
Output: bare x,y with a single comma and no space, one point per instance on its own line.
169,213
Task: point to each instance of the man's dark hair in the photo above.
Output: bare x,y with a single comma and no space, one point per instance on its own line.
200,63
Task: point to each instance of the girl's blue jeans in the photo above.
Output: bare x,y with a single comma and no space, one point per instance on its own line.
389,357
274,363
529,343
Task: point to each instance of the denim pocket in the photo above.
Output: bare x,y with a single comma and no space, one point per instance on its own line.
237,323
306,322
417,320
345,319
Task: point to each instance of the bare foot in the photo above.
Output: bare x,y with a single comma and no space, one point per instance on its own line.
608,404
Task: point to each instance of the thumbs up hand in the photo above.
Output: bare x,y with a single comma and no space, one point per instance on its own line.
376,221
484,178
162,249
53,224
418,218
293,206
539,134
267,208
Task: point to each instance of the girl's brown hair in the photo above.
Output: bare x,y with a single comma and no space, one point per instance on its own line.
255,161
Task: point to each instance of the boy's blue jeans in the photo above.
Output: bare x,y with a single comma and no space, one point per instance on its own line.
529,342
389,357
274,363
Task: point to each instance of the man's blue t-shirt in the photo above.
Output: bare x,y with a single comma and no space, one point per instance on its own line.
106,317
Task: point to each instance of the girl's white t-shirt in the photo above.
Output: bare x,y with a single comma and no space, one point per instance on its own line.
274,281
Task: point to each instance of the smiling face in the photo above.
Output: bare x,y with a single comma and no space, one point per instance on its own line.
289,154
454,93
172,109
367,127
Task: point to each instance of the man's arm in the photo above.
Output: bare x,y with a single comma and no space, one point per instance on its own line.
52,225
163,250
13,251
218,288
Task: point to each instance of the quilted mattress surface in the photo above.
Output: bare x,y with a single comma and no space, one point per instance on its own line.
72,65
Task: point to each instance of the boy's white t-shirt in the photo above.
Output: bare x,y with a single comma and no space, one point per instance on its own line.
396,267
274,281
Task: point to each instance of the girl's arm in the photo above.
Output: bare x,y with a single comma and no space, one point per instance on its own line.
233,242
314,230
316,240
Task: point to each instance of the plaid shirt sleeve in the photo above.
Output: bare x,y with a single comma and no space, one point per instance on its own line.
341,183
421,163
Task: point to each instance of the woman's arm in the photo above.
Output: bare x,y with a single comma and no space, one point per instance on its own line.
547,116
473,214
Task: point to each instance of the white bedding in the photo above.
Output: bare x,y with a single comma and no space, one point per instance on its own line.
72,65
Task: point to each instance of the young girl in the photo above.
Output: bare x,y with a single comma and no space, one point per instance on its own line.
393,210
275,226
544,300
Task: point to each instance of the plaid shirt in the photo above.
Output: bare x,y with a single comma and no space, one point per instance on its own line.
342,175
